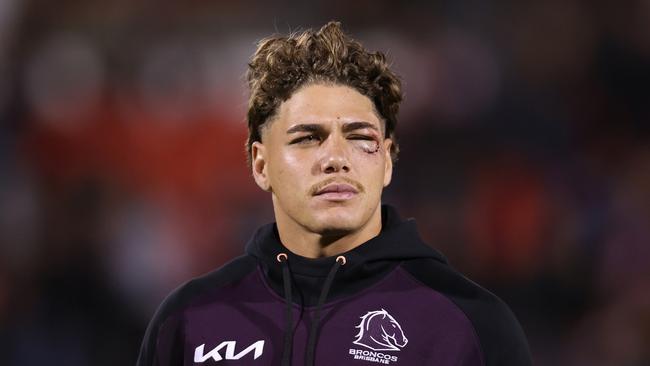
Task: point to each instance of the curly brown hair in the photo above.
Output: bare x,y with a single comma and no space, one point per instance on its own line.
283,64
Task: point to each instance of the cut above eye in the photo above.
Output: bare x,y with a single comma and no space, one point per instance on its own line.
365,143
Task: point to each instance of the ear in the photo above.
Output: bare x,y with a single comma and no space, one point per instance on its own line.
259,166
388,173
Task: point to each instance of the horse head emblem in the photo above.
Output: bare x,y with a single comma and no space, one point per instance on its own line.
379,331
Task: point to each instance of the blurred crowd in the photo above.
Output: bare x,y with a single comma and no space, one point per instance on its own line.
525,159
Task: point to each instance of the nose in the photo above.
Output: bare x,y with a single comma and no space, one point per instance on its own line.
335,156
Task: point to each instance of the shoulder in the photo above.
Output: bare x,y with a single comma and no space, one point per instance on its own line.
162,340
229,273
500,335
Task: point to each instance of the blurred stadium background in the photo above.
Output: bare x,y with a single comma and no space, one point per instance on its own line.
525,158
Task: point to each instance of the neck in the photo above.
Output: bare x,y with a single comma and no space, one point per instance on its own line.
312,244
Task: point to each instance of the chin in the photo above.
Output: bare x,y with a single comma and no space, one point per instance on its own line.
337,221
334,231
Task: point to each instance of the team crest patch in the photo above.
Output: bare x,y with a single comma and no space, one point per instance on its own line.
378,332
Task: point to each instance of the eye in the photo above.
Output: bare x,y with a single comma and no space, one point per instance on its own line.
361,137
305,139
366,143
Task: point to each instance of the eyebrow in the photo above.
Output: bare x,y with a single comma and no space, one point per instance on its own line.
305,127
347,127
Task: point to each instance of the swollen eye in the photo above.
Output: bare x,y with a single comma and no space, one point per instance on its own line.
369,146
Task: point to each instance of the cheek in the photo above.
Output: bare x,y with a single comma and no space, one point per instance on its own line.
291,161
289,171
370,165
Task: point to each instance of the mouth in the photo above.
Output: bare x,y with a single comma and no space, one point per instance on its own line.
337,192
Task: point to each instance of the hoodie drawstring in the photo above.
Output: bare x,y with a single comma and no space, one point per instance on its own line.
311,341
288,330
313,331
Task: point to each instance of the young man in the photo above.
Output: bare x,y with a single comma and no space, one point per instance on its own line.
338,279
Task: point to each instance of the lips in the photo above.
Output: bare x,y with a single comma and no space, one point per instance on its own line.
337,192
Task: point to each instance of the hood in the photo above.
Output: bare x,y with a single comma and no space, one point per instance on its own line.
365,264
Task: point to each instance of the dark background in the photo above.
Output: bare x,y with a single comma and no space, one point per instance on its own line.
525,159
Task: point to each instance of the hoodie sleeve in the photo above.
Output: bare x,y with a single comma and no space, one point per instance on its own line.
502,339
163,341
500,336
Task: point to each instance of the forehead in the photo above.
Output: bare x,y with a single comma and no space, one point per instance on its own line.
327,104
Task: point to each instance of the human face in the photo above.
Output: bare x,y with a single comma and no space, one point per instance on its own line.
325,160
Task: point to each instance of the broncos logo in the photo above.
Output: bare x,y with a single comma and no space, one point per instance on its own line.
379,331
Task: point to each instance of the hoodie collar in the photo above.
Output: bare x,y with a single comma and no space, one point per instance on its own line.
397,241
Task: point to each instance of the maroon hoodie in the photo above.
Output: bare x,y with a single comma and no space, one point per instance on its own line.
393,300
